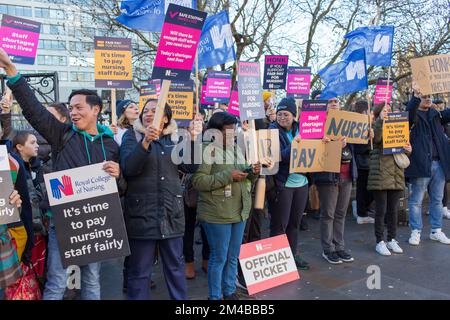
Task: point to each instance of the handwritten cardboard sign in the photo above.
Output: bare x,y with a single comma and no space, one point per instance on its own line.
315,156
354,126
432,73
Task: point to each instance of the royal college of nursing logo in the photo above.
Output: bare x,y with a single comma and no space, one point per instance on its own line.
61,187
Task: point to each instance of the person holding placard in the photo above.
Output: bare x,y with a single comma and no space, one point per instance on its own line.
287,207
334,196
96,144
127,113
154,211
387,183
224,184
430,164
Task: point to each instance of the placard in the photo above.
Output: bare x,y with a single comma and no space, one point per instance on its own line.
218,87
145,93
395,132
88,216
251,103
298,82
233,106
181,101
275,72
432,73
383,91
312,119
354,126
8,213
315,156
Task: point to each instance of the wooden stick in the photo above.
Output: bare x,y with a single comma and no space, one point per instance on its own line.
197,84
165,86
387,86
369,115
253,157
113,107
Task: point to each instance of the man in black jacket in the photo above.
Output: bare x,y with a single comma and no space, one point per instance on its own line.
79,145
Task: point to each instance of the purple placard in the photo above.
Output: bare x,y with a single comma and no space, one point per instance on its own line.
19,38
178,43
298,82
275,71
312,119
218,87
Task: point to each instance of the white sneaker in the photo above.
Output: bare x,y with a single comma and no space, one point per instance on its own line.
438,235
415,238
364,220
446,214
382,249
393,245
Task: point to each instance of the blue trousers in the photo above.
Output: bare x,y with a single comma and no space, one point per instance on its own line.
140,265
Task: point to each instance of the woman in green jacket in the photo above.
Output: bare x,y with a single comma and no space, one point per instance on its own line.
224,183
387,182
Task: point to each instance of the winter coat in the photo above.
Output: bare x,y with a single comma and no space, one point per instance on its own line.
384,173
212,179
423,128
154,207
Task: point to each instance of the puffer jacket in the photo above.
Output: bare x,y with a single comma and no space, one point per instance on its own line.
211,179
384,174
154,199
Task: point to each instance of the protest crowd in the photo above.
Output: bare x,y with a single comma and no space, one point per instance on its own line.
173,176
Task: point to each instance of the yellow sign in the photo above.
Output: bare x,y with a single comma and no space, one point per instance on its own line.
315,156
181,101
354,126
112,67
432,73
395,132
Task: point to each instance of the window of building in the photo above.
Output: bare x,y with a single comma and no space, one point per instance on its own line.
15,10
52,44
48,60
49,13
81,76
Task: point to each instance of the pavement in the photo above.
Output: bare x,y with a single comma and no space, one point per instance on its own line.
419,273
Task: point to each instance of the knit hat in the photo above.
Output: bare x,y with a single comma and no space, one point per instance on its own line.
121,106
288,104
315,93
266,95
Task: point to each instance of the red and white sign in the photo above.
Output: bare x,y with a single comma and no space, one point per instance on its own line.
267,264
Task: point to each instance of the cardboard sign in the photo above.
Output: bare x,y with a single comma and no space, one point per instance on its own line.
432,73
147,92
88,216
112,63
233,106
275,72
19,38
267,264
312,119
218,87
395,132
181,101
383,91
178,43
298,82
250,93
354,126
269,144
8,212
315,156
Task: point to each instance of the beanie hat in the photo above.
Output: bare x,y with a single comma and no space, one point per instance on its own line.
315,93
288,104
266,95
121,106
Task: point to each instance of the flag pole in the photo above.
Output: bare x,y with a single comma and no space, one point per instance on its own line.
387,86
369,115
113,107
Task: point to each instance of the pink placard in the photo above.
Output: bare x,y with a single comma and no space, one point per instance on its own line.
298,82
383,91
19,38
233,106
218,87
312,119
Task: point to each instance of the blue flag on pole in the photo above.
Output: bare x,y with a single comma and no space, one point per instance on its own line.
148,15
376,40
345,77
216,44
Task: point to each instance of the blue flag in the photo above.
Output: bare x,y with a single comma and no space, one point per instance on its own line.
345,77
216,44
148,15
376,40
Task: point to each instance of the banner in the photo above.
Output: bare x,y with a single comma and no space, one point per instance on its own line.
145,93
218,87
315,156
233,106
181,101
267,263
383,90
298,82
178,43
275,71
312,119
375,40
432,73
88,216
8,212
347,76
395,132
216,44
148,15
251,104
19,38
112,68
354,126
